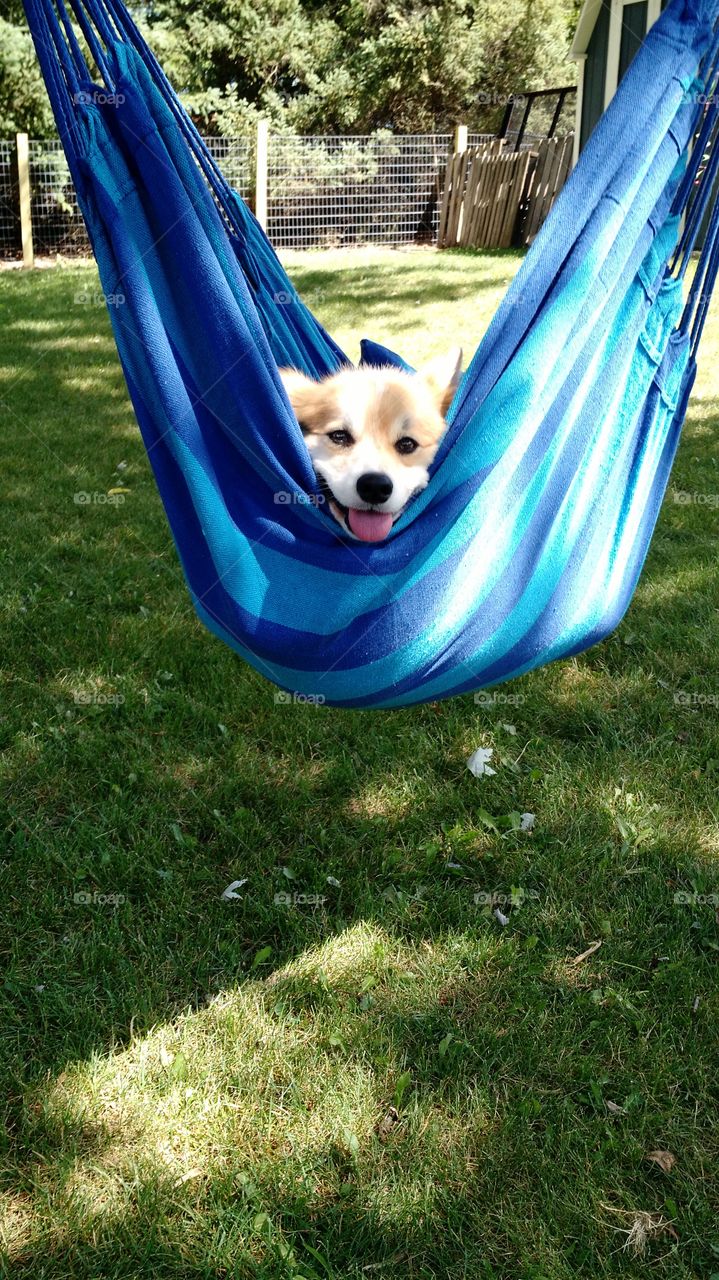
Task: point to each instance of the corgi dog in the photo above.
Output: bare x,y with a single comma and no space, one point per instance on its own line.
372,434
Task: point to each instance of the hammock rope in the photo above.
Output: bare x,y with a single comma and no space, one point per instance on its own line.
528,542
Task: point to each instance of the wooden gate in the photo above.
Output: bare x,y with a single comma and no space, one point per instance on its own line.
494,198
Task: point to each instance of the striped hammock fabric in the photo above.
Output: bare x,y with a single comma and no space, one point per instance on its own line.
529,540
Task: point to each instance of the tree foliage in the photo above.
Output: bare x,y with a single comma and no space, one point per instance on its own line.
24,105
350,66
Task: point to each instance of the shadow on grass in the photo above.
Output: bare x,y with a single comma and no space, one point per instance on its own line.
197,779
378,285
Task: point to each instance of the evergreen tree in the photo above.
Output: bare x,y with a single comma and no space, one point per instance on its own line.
353,66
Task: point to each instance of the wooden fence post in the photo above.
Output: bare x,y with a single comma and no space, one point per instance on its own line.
261,156
460,139
23,170
451,184
460,150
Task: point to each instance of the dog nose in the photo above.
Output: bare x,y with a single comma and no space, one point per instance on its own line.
374,487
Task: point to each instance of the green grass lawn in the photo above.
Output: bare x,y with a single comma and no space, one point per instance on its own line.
390,1083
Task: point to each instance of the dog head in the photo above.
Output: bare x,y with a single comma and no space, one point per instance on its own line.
372,435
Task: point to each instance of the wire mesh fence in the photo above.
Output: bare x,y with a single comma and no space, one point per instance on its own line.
480,139
322,191
236,158
57,223
9,213
372,189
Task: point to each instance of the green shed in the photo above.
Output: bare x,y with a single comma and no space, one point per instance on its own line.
609,32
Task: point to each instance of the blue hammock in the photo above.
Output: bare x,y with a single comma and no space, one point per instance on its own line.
529,540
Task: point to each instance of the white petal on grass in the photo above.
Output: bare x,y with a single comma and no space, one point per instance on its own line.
478,763
526,821
230,892
499,915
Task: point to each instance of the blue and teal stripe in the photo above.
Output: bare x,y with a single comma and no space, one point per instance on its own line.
530,538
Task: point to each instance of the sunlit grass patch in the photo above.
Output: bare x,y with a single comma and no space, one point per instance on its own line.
394,1047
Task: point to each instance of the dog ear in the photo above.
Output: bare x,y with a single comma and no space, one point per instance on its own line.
442,376
302,394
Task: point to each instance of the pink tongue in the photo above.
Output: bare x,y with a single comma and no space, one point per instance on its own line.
369,526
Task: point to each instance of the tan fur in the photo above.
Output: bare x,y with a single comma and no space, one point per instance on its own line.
376,408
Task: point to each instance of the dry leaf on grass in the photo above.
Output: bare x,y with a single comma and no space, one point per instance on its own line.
664,1159
614,1109
387,1124
186,1177
586,954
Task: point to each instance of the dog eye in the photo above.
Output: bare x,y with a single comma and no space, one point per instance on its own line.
406,445
341,437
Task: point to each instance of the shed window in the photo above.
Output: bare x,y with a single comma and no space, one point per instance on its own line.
594,73
634,29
